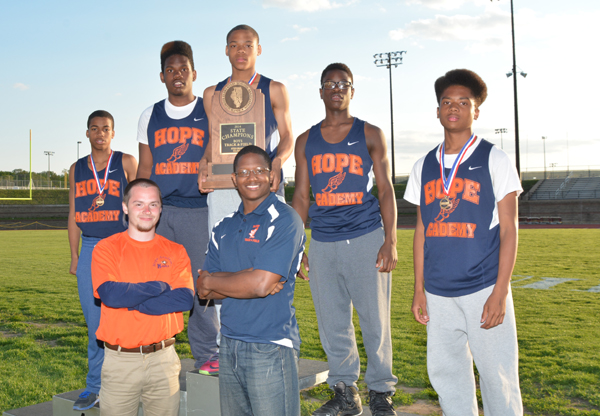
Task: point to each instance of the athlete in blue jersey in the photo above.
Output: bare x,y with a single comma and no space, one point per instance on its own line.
172,136
96,183
252,261
243,47
465,248
352,253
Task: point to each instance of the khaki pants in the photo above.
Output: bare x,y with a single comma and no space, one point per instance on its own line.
128,378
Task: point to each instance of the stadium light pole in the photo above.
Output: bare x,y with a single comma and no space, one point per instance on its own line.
501,131
514,72
78,143
48,153
544,141
389,59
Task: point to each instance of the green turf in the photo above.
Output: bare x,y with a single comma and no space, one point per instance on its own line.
43,335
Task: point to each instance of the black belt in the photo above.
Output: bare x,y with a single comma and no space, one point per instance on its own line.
143,349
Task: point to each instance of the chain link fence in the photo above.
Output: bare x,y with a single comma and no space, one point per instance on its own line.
37,184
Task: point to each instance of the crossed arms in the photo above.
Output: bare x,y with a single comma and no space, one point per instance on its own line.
152,297
245,284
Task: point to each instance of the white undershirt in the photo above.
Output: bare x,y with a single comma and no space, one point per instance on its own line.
174,112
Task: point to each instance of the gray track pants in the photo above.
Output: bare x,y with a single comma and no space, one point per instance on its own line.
343,275
455,338
221,202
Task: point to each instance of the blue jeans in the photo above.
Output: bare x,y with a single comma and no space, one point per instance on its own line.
91,312
258,379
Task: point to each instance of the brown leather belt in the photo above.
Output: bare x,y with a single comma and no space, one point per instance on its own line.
143,349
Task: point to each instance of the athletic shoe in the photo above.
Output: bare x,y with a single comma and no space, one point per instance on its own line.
86,401
211,367
346,402
381,403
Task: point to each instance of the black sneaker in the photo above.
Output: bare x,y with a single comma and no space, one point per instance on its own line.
381,403
346,402
86,401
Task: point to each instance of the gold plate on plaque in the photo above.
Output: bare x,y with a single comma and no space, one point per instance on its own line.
237,119
237,97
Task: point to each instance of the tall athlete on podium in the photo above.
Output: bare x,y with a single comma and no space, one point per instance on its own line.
172,136
243,47
353,247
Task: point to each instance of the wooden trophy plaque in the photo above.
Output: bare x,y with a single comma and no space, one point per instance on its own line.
237,120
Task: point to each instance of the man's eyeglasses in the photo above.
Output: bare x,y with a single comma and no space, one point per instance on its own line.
244,173
342,85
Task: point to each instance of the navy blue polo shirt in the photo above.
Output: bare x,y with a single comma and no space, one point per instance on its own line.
269,238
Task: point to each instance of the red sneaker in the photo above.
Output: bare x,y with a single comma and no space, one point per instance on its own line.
211,367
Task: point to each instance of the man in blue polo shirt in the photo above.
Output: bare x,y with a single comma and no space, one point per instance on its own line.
252,261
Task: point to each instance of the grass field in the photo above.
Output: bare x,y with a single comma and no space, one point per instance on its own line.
43,335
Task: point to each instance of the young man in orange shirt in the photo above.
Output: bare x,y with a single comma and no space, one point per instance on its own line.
145,283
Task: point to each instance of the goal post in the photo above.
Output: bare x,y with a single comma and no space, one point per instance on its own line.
30,179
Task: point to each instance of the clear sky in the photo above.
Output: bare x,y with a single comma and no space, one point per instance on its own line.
61,60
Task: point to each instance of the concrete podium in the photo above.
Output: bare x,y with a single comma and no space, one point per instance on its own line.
203,391
199,393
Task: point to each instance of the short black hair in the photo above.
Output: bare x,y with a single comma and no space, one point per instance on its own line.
143,183
101,113
177,47
464,78
243,27
252,149
339,67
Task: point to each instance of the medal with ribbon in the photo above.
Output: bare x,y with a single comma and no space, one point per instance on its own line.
99,199
249,82
445,202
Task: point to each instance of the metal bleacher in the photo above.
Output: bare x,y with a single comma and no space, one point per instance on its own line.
568,188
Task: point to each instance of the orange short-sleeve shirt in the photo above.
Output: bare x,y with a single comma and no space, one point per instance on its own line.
119,258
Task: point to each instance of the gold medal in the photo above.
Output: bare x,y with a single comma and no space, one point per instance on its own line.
99,201
445,203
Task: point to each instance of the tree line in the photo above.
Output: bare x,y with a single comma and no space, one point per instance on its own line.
23,175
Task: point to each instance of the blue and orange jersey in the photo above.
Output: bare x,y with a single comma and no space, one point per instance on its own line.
341,177
177,147
106,219
461,251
